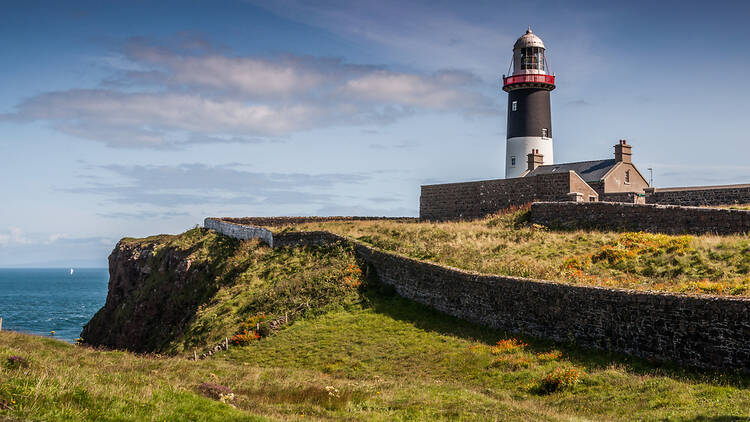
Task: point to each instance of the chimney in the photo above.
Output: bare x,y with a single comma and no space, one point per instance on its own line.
622,152
535,159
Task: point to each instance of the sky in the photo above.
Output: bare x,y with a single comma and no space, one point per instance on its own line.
138,118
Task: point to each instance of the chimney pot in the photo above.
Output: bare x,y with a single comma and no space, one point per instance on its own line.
623,152
535,159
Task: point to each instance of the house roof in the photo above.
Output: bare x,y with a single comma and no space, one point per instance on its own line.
590,171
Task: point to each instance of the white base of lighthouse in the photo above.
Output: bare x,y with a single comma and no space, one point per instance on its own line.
518,148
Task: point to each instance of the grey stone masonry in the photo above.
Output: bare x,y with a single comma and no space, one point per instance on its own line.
627,197
700,195
468,200
693,330
672,219
239,231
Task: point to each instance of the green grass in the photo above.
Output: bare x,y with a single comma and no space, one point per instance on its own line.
357,353
506,244
385,358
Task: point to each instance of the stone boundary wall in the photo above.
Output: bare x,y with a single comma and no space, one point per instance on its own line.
700,195
670,219
284,221
468,200
693,330
239,231
626,197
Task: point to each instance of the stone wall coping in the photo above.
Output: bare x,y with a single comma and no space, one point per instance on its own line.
686,188
461,183
657,206
293,220
499,179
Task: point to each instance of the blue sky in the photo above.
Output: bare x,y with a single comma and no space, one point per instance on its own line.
137,118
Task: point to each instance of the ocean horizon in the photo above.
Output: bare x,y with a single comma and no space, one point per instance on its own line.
42,300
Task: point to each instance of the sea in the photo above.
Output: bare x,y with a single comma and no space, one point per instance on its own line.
42,300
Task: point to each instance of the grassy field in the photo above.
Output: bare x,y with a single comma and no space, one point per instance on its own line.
357,353
505,244
383,359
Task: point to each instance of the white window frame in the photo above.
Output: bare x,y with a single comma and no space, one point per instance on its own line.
514,106
545,132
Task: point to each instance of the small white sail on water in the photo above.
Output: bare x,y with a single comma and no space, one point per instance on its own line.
71,271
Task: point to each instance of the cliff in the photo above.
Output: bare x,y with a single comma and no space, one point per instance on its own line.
154,291
177,294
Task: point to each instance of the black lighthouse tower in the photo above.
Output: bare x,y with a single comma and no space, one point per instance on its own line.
529,121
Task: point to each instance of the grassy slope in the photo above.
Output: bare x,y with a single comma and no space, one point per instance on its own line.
236,281
387,359
504,244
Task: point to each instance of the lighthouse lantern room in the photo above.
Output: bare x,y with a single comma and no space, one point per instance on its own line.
529,122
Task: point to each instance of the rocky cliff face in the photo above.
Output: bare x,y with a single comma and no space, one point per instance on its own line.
179,294
154,291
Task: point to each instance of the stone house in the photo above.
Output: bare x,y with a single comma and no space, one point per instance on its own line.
613,180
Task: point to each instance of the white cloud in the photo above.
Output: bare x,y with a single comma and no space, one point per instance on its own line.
170,186
438,91
254,76
13,236
57,236
180,98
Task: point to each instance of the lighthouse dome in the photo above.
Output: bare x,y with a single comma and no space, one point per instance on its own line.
529,39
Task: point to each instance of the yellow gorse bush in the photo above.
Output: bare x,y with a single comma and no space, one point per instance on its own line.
633,245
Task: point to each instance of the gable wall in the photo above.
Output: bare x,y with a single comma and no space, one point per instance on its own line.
614,181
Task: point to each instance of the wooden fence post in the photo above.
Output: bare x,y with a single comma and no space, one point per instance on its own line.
1,324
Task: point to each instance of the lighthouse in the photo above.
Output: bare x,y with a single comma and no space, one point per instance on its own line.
529,123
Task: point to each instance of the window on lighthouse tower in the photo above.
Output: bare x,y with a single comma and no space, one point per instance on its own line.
514,106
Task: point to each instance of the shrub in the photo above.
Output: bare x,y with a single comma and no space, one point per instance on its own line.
507,345
576,263
559,379
353,276
512,361
14,362
244,338
214,391
510,217
548,356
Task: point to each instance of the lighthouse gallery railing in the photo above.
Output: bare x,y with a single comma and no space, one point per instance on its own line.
532,78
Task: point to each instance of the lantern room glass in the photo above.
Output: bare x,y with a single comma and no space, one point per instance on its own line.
532,58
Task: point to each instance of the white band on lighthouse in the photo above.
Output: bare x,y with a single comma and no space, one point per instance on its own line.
517,150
